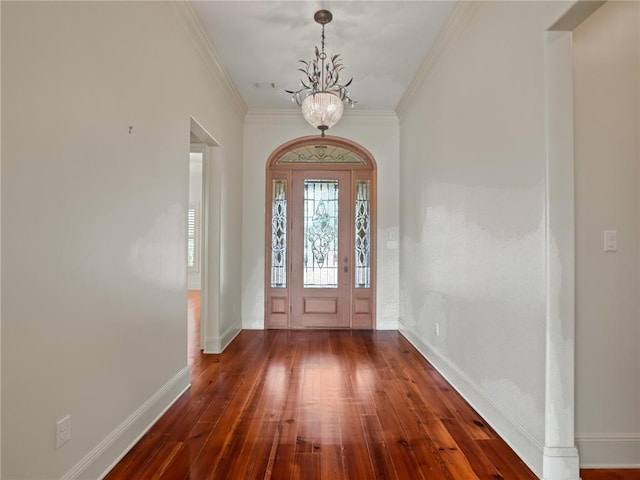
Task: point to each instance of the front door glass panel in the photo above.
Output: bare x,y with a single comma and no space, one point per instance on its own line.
320,261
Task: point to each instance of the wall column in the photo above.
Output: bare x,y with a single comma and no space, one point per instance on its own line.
560,460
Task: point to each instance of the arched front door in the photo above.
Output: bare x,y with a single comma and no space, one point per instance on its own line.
320,235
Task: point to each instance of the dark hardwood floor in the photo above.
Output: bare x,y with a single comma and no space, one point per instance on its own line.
318,405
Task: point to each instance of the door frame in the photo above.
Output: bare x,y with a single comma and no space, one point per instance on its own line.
210,262
277,300
201,148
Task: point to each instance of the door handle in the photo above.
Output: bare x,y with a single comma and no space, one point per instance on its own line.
346,268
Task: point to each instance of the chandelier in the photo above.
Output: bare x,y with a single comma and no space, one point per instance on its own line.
322,94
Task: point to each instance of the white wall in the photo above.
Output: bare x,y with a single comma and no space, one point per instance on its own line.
94,224
607,179
472,207
0,248
265,131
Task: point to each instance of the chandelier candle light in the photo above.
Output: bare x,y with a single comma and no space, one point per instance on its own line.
321,95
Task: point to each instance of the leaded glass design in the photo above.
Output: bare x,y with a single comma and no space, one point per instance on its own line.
320,234
363,235
321,154
279,234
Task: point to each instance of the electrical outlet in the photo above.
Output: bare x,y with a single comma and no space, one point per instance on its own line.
437,329
63,431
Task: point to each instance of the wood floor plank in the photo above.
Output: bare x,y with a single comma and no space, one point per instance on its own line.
412,454
453,457
179,464
316,405
306,466
381,458
331,462
137,459
505,460
480,463
195,442
357,461
223,431
160,461
395,424
287,439
260,421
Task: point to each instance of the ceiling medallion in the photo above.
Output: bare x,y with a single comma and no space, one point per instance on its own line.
322,94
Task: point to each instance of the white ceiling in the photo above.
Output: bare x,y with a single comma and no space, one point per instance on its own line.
382,45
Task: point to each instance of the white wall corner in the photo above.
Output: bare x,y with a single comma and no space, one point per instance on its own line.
101,459
0,257
227,337
211,345
189,20
460,17
219,344
522,441
561,460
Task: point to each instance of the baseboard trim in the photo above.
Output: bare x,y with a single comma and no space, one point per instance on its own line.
525,445
99,461
609,450
561,463
218,344
211,345
227,337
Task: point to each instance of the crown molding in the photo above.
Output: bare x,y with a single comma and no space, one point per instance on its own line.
259,113
462,14
262,114
194,29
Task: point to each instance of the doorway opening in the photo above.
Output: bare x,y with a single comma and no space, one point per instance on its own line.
320,235
194,249
203,242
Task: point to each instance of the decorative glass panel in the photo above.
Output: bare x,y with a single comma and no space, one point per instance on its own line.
320,233
363,235
279,234
321,154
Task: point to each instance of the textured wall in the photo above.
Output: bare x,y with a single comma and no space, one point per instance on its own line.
94,222
472,205
607,111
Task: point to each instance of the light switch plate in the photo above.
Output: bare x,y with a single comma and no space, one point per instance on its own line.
63,431
610,240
